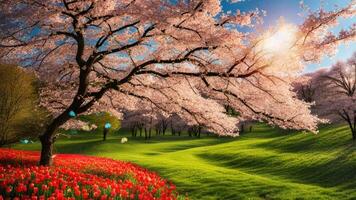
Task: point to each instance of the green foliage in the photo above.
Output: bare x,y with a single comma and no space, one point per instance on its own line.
20,115
100,119
231,111
264,164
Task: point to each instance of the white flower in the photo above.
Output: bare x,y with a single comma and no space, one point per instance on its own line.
86,128
124,140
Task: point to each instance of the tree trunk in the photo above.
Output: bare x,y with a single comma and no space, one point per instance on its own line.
353,127
48,138
46,151
173,131
47,141
47,148
157,131
105,133
353,130
164,128
351,123
133,132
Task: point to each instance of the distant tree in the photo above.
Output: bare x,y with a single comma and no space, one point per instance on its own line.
177,124
333,92
305,86
195,130
100,119
145,118
20,115
161,125
132,120
339,96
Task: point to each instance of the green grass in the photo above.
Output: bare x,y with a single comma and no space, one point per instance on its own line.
266,164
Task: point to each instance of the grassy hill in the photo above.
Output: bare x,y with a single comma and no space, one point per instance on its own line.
266,164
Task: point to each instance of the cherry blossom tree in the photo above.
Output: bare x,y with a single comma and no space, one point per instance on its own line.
342,80
310,86
184,57
162,125
176,124
143,119
305,87
333,92
132,121
146,117
338,98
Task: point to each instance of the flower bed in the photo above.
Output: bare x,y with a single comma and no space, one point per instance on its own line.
77,177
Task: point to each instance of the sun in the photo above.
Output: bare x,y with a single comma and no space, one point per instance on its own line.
281,39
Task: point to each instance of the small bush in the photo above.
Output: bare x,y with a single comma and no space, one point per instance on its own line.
20,115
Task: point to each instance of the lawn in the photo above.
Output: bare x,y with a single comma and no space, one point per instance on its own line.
265,164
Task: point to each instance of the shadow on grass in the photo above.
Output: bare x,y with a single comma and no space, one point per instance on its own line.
210,184
329,138
197,143
88,146
327,159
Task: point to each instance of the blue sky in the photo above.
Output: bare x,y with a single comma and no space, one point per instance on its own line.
289,10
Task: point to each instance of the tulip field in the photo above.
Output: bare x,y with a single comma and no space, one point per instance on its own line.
77,177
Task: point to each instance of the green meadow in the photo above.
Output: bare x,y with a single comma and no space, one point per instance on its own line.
267,163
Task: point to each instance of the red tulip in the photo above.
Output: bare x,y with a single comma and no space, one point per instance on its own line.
81,176
77,193
8,189
35,190
44,187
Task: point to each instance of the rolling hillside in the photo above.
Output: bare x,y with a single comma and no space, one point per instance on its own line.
265,164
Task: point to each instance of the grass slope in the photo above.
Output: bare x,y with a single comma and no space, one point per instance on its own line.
265,164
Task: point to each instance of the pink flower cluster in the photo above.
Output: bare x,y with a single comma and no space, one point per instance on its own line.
77,177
